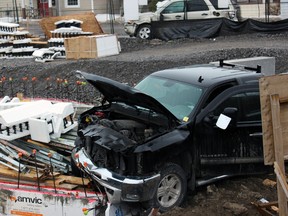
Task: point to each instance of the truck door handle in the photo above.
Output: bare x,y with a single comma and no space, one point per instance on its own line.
178,16
256,134
204,14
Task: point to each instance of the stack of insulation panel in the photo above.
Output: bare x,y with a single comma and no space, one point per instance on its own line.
14,43
64,29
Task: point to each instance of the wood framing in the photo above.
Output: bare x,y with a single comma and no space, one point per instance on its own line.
274,112
271,85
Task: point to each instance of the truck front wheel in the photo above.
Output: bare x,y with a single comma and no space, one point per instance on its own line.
172,188
144,31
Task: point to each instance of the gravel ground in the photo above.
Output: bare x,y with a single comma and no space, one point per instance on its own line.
139,58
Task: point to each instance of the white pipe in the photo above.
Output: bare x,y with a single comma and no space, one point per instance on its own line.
23,3
50,3
92,5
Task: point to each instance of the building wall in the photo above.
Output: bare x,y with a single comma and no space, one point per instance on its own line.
84,6
259,10
103,6
99,7
284,9
8,4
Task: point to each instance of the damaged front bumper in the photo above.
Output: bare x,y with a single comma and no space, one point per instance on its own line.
130,29
118,188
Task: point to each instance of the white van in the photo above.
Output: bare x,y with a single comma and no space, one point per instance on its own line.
169,10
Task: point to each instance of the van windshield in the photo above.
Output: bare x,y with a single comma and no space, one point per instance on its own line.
178,97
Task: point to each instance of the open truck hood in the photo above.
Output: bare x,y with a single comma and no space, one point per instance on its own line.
114,91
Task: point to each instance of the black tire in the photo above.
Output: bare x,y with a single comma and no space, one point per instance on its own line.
172,188
144,32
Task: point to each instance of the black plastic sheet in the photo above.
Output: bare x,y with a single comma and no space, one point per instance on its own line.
210,28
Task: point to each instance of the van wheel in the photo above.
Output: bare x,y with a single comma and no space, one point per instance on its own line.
144,32
172,188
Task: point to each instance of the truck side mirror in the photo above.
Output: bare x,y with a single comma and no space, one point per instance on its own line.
227,117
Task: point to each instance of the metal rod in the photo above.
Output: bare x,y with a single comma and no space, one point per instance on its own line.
19,169
82,173
36,166
50,155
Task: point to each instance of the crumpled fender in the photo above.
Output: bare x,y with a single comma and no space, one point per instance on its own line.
145,18
108,138
174,137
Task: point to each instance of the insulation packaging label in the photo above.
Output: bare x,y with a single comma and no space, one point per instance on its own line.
19,202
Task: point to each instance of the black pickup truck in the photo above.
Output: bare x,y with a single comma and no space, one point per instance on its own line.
178,128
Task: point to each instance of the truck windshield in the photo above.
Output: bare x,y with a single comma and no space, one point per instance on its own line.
178,97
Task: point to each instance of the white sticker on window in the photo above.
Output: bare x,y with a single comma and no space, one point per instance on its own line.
223,121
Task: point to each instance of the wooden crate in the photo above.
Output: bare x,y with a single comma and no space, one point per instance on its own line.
80,47
91,46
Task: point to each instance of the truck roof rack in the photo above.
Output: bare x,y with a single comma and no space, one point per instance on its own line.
222,64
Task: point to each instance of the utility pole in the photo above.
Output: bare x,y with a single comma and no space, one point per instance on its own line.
13,5
111,12
15,9
267,10
92,5
23,9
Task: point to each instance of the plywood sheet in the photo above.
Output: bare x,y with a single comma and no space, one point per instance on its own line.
90,23
80,48
271,85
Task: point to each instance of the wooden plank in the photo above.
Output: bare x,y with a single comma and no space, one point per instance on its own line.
12,174
269,85
62,181
74,180
67,182
39,42
39,144
66,186
279,155
81,47
281,178
268,144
